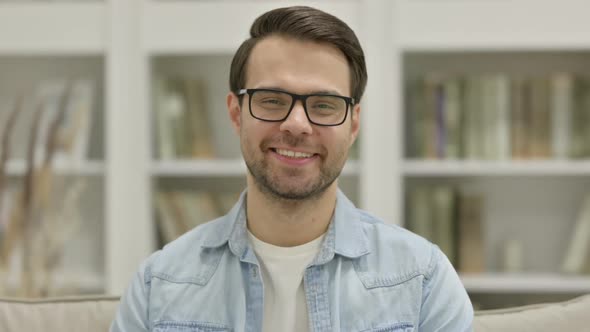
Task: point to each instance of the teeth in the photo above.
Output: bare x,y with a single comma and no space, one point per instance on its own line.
293,154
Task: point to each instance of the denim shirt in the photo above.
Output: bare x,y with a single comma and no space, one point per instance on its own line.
367,276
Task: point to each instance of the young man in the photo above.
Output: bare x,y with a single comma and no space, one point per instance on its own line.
294,254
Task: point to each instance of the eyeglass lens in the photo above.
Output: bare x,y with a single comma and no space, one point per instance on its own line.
275,105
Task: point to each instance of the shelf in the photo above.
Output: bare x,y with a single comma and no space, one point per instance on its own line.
498,25
236,167
184,27
86,168
526,283
51,28
495,168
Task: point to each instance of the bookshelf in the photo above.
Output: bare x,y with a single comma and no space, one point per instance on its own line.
533,202
129,45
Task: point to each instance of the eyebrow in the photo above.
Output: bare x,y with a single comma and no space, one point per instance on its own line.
314,92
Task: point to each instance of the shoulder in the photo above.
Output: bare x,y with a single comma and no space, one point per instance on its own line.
186,259
397,251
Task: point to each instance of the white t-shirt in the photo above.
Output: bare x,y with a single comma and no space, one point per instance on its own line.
285,307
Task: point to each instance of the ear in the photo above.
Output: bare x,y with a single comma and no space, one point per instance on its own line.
234,110
355,123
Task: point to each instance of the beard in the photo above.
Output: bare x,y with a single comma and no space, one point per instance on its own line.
292,184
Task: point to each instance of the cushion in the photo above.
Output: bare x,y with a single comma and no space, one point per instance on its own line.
88,314
573,315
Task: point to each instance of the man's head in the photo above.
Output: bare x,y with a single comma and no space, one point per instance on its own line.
295,145
305,24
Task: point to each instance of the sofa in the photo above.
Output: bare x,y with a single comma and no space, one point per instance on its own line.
94,314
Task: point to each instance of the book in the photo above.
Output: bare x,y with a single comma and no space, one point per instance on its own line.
432,215
518,118
179,211
577,256
199,134
561,115
498,144
169,224
162,106
420,212
452,96
443,200
183,127
470,251
540,118
431,117
473,118
416,119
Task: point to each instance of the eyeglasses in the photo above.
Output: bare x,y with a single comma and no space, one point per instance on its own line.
275,106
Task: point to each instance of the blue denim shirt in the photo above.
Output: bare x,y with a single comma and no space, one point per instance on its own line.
367,276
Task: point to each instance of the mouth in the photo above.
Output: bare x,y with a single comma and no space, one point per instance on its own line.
292,157
292,154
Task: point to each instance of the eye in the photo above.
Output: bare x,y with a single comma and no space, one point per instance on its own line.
324,105
273,101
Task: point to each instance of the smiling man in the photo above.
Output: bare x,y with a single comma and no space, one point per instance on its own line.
294,254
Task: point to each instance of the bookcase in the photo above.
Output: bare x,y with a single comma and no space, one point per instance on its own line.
131,47
530,206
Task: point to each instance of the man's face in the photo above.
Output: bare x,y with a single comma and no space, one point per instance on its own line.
268,147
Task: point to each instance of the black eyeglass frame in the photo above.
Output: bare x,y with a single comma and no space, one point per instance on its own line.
295,97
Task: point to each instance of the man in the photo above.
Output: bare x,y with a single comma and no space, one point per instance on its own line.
294,254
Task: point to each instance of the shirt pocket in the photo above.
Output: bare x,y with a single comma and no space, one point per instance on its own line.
173,326
395,327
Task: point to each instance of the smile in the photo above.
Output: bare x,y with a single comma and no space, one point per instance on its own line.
293,154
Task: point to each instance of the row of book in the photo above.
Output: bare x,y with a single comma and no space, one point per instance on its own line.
182,122
178,211
58,110
499,117
455,222
452,221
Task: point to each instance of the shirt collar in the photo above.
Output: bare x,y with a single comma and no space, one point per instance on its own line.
345,236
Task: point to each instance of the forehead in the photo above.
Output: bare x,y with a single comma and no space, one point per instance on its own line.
297,66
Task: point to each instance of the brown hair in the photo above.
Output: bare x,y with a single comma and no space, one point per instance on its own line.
303,23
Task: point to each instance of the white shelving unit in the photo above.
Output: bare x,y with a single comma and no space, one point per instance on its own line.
535,202
134,41
53,28
16,168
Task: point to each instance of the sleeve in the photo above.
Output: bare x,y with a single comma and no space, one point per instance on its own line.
132,314
445,303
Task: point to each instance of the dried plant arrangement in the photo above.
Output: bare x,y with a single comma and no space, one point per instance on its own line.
5,143
32,226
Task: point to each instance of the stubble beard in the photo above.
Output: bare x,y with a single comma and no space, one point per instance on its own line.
271,184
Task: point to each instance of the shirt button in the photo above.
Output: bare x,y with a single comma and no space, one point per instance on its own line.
254,271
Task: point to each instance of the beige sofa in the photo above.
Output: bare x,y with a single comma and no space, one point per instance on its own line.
94,314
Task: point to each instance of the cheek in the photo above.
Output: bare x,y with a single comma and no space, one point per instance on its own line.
338,141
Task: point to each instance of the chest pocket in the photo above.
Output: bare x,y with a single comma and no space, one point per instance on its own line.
167,326
397,327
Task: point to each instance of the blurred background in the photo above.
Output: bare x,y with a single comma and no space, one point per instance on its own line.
114,136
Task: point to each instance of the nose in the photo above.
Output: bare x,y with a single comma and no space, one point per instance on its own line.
297,123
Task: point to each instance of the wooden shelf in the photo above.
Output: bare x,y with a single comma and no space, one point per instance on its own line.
43,28
526,283
495,168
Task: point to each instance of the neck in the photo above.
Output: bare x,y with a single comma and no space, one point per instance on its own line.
288,223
